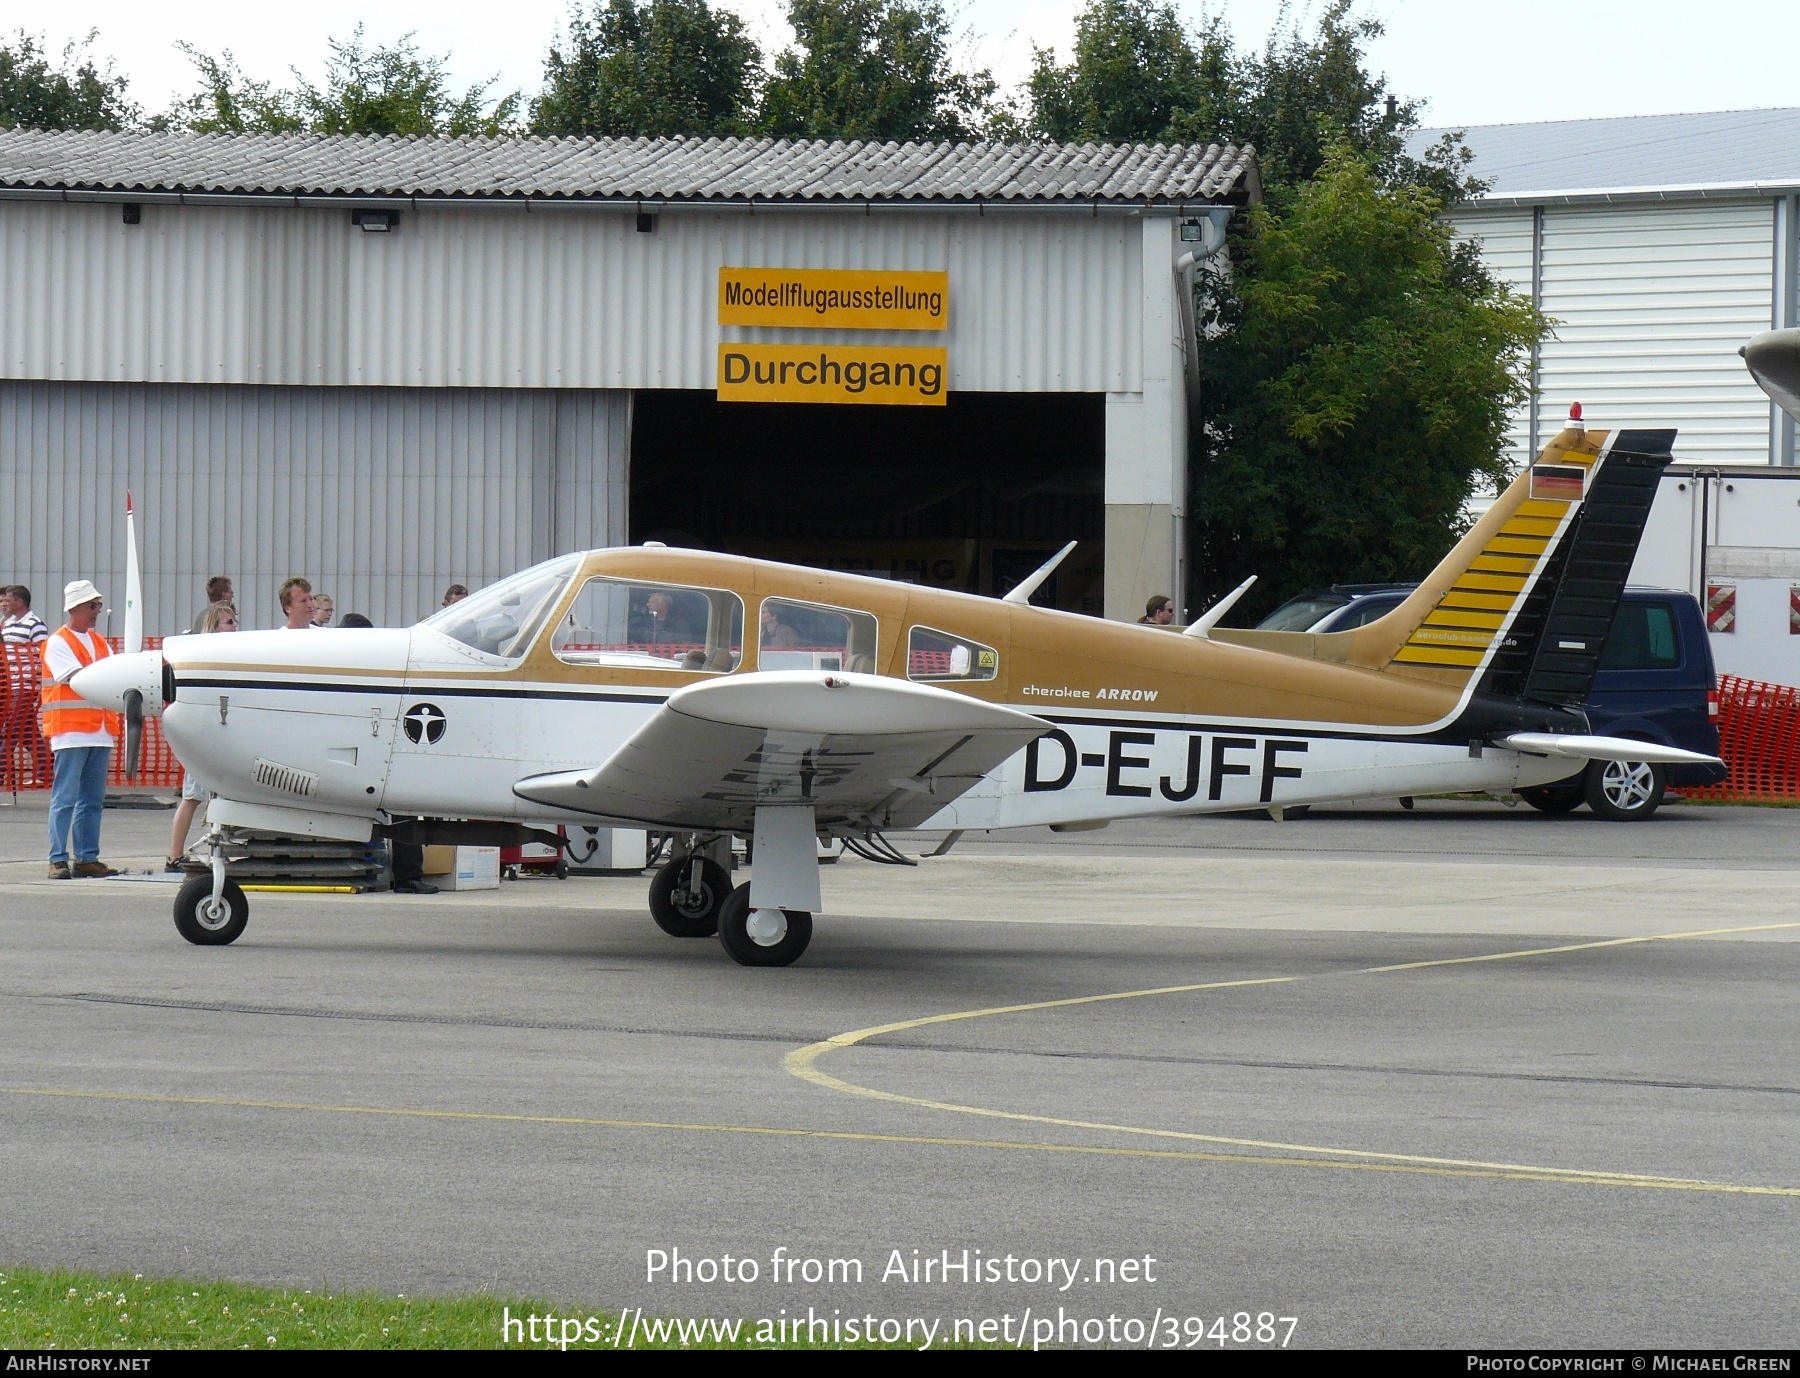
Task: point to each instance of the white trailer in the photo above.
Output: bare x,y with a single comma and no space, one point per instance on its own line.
1731,537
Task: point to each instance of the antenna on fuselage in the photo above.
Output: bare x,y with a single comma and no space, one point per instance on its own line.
1210,618
1022,591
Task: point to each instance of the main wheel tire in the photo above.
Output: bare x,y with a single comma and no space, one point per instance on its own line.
763,949
694,914
1625,791
1564,796
197,920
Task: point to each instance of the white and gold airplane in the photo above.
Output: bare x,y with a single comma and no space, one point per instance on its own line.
714,697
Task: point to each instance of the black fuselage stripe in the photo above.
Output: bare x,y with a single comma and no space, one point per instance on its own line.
416,690
1239,729
1441,736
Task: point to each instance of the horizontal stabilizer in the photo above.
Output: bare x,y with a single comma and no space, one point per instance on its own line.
1773,359
1585,748
862,750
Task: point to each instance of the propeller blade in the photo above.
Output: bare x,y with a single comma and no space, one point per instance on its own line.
134,583
134,732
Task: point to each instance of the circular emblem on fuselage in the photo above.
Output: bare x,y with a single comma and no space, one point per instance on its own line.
424,722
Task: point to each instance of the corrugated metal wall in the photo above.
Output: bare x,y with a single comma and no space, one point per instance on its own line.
473,297
380,496
1506,248
1651,302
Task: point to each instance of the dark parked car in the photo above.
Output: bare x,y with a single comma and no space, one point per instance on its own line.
1656,684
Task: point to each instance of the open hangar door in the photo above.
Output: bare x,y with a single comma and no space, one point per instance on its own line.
972,495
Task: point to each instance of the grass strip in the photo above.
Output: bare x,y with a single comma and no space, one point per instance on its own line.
57,1309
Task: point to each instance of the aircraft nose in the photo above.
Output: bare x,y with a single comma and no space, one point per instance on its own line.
104,683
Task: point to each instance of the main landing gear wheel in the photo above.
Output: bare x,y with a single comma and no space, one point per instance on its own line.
1625,791
200,921
1562,797
688,907
762,937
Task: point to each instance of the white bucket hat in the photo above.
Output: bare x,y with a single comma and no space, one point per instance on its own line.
79,592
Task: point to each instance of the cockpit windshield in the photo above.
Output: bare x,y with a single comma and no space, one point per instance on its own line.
502,618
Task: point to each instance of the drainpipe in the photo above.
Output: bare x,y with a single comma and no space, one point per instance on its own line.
1212,239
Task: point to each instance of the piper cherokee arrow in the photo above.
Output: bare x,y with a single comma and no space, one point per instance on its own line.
712,697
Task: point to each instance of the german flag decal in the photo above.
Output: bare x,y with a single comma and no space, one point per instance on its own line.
1560,481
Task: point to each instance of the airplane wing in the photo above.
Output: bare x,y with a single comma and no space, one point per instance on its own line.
862,749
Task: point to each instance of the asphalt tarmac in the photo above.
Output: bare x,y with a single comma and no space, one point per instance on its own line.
1460,1077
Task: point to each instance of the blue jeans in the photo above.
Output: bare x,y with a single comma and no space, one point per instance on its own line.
76,798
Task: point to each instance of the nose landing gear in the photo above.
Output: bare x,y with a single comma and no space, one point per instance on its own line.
210,910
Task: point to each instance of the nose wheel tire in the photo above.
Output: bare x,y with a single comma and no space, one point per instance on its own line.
762,937
1625,791
202,922
687,906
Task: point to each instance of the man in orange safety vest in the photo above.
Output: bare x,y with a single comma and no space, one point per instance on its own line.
81,738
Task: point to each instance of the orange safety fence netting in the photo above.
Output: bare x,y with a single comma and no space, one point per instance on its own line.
1759,739
25,762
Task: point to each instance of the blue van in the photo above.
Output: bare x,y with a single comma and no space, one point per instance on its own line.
1656,684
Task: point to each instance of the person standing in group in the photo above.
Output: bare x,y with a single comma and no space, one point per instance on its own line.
218,590
19,625
1158,612
81,738
297,605
323,607
454,594
220,617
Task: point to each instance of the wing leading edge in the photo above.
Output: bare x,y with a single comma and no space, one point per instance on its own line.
863,750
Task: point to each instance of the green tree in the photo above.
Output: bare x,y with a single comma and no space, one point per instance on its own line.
228,102
873,69
1358,370
659,68
385,89
1137,75
79,94
1306,93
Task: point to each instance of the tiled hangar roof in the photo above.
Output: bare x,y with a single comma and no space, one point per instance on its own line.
661,170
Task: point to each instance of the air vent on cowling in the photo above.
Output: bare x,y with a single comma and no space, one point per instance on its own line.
274,775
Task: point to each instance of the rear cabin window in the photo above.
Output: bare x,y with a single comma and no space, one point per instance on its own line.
637,625
811,636
1643,638
934,655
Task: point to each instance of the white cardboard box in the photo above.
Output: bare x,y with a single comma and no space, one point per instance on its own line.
477,868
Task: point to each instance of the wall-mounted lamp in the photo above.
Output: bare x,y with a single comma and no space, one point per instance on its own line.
132,213
375,222
646,223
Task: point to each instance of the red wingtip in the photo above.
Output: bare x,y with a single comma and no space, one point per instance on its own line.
1574,411
128,508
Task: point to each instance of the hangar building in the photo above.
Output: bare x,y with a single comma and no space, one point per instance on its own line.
390,364
1659,244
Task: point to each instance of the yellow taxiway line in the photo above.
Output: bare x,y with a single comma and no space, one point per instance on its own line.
1498,1172
803,1063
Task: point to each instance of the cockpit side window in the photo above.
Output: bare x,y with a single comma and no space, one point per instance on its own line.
633,623
934,655
502,619
811,636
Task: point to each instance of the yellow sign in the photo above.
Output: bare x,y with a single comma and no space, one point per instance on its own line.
879,375
834,299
